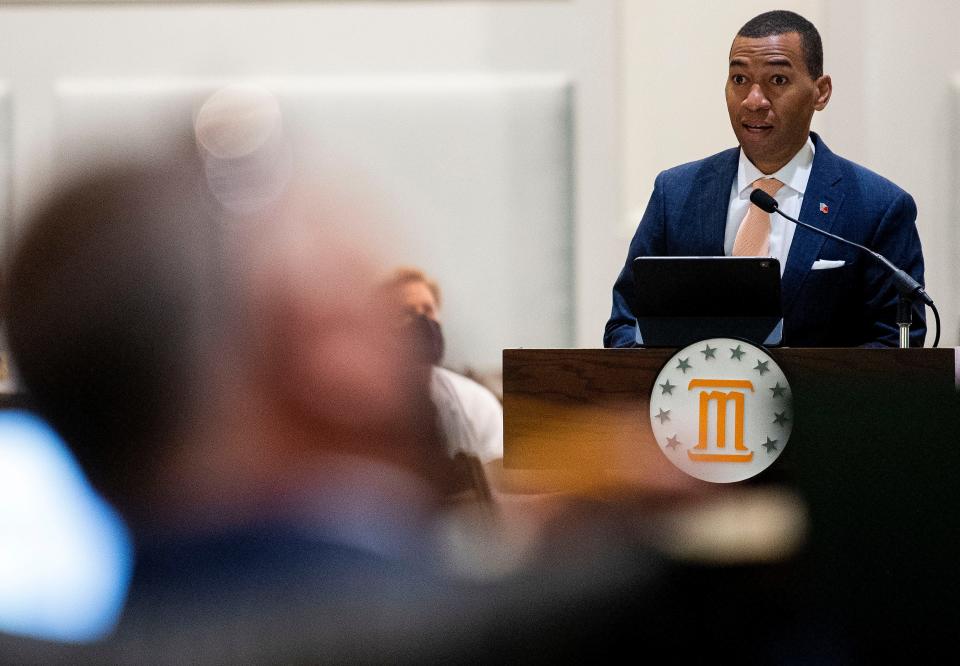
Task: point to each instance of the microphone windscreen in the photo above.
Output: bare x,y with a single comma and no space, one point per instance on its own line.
763,201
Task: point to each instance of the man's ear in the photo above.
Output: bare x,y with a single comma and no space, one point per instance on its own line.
824,90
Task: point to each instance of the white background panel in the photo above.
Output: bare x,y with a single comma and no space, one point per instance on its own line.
474,174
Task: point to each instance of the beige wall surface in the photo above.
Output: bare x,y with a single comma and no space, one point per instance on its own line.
894,108
895,73
674,70
47,48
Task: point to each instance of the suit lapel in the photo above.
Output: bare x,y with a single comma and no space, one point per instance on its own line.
714,200
821,208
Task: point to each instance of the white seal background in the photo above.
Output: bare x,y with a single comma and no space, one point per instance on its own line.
675,409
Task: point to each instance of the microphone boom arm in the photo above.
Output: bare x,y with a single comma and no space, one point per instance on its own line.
908,288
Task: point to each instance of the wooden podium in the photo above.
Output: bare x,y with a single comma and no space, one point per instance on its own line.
588,408
874,458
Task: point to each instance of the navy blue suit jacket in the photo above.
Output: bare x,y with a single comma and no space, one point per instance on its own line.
849,306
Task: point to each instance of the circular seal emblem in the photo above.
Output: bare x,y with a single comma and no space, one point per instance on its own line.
721,410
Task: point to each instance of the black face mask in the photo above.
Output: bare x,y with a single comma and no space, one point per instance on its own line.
426,339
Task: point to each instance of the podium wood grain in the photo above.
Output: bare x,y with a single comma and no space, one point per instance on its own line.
588,408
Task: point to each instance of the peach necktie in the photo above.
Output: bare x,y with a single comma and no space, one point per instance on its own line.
753,236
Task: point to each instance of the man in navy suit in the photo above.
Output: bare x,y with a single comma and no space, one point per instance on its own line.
832,295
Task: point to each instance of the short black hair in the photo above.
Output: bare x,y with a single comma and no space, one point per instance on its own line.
780,22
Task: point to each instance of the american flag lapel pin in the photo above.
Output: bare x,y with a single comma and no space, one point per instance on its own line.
824,208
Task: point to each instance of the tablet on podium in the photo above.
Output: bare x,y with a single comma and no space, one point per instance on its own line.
679,300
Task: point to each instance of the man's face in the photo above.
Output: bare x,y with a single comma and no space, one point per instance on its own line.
771,98
417,299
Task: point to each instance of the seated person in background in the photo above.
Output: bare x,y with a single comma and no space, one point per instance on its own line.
470,415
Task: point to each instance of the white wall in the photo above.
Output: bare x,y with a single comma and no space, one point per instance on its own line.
647,90
46,48
896,111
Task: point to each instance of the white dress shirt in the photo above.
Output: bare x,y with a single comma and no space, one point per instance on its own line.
794,176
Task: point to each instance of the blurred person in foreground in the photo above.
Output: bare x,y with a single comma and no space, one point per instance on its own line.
267,447
471,417
223,380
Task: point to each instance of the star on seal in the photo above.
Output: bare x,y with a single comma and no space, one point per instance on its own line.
684,365
673,442
709,352
779,391
780,418
664,415
667,388
770,445
761,367
737,353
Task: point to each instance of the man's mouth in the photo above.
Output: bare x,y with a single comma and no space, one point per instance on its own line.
757,128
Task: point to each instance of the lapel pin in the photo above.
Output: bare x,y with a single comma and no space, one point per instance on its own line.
824,208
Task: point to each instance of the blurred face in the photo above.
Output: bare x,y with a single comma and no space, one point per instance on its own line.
417,299
771,98
319,337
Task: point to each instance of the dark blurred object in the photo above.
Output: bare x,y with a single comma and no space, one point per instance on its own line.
110,296
16,400
881,483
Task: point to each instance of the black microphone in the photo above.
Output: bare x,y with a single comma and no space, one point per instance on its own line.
904,283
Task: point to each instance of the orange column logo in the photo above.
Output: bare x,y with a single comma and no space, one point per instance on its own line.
718,452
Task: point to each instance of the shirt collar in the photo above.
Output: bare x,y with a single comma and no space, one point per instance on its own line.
794,174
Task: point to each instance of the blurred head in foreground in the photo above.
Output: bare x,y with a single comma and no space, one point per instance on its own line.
206,365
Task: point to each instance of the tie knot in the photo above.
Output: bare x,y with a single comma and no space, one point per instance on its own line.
769,185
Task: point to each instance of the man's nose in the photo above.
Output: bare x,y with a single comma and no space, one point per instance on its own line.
755,99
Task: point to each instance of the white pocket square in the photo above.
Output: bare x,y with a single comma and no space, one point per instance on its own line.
824,264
